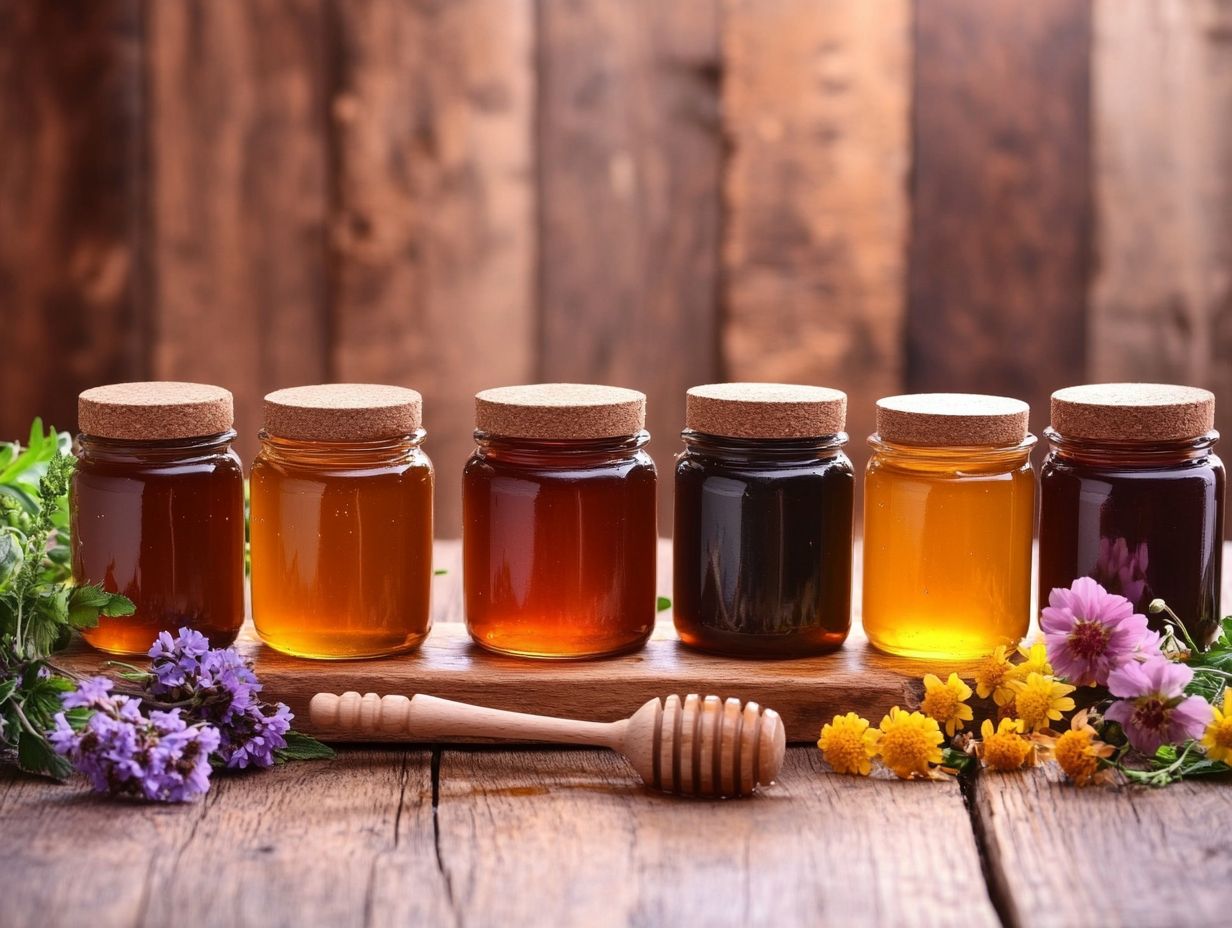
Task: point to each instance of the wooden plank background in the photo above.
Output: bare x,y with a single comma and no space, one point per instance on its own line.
879,195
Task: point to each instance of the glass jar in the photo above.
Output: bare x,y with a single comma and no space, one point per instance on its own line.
156,509
342,522
763,521
558,509
949,514
1132,495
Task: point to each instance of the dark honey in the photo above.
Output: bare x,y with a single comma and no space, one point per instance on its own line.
163,523
1144,519
763,545
559,545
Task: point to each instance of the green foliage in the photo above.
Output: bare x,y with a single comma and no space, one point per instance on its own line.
303,747
39,605
662,604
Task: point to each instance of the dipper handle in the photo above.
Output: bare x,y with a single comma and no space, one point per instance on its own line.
432,719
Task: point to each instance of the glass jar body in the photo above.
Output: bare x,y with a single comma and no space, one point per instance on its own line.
559,546
1144,520
342,546
947,549
762,545
163,523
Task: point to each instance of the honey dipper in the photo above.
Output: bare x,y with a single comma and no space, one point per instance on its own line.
694,746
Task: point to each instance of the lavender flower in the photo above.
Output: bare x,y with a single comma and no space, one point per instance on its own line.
122,752
1153,708
1089,632
221,688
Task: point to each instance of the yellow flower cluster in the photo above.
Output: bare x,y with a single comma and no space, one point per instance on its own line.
1218,738
1029,698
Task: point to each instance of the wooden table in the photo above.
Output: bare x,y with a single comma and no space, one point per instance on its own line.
483,836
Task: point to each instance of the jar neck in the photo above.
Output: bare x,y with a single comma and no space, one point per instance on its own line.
325,454
565,453
764,450
1130,453
967,458
167,450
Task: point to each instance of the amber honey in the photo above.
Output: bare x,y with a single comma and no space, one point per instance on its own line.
559,533
157,512
947,542
341,530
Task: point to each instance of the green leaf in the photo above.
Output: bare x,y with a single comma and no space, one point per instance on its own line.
662,603
439,572
86,603
303,747
11,556
34,755
8,688
956,759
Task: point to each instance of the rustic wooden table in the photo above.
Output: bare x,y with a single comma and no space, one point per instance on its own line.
481,836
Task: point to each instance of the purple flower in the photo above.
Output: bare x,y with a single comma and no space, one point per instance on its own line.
252,738
123,753
1153,708
221,689
1089,631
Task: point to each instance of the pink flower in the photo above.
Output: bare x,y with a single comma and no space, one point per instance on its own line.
1089,631
1153,708
1119,569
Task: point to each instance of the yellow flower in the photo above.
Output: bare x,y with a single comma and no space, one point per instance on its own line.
848,744
1079,750
1035,660
946,702
1218,737
1004,748
1039,700
992,677
910,741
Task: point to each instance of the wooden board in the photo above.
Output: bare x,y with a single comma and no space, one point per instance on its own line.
999,241
581,842
816,113
71,193
432,244
1161,297
629,167
1069,858
304,844
238,197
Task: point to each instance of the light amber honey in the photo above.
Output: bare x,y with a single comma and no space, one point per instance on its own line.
947,549
341,546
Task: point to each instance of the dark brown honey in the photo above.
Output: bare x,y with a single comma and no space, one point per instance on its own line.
163,523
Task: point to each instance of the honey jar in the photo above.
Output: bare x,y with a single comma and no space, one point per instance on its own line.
342,522
157,511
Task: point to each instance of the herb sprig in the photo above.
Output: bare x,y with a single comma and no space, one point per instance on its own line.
39,605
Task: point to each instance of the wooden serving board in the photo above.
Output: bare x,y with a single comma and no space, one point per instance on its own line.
804,692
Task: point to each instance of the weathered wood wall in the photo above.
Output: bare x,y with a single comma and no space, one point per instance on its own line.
880,195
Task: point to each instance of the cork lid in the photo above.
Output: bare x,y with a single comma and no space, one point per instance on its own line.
155,410
343,412
556,411
952,419
1133,411
765,410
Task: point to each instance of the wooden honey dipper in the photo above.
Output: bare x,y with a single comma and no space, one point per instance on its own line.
697,747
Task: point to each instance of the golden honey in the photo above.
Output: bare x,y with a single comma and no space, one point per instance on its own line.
947,546
341,534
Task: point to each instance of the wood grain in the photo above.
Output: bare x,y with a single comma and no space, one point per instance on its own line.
1161,299
432,239
1000,198
816,102
580,842
304,844
71,191
1130,856
629,161
238,193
